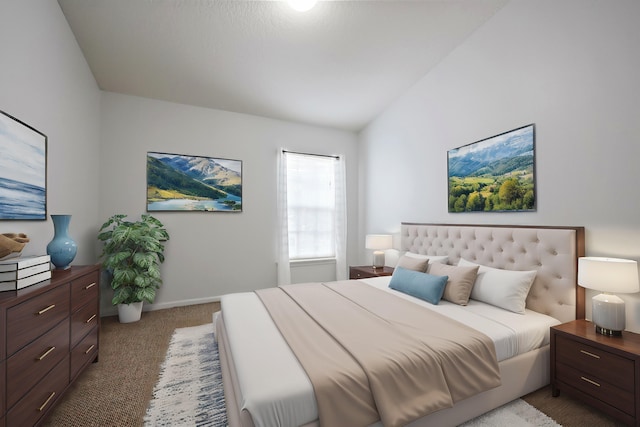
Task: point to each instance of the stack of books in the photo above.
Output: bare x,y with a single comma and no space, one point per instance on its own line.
18,273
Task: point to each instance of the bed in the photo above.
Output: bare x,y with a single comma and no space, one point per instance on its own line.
265,383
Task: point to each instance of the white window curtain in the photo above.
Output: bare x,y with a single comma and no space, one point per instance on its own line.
341,219
311,211
284,270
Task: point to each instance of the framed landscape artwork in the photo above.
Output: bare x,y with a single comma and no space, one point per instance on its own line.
178,182
496,174
23,171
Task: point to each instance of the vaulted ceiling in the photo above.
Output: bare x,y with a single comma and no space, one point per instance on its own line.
338,65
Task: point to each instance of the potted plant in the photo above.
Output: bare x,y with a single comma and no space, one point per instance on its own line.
132,254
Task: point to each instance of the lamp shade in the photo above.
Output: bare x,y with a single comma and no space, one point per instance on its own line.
612,275
378,241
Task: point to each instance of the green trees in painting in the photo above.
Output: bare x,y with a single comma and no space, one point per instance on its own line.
489,194
495,174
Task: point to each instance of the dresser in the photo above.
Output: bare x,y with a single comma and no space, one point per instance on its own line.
602,371
48,334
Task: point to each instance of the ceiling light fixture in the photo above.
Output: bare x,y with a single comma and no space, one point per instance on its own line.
302,5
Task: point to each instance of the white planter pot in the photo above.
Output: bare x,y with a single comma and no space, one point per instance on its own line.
128,313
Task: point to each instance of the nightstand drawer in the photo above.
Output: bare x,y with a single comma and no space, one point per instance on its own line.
606,392
599,364
357,274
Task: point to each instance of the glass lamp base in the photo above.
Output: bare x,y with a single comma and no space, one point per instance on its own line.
608,332
378,259
608,314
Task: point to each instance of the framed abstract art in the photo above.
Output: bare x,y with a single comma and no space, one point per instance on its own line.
23,170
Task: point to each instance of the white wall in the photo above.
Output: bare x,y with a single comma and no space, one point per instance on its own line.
211,254
570,67
46,83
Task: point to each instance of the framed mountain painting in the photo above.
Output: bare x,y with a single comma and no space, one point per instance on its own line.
184,183
23,171
496,174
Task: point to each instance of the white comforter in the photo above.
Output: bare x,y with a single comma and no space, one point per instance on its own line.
277,392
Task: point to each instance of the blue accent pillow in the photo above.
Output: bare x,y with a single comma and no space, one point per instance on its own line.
420,285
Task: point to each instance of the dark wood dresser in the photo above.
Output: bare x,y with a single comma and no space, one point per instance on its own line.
48,334
602,371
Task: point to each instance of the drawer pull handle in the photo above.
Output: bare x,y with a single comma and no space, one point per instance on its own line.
44,310
590,381
89,349
589,354
89,286
46,353
47,401
90,318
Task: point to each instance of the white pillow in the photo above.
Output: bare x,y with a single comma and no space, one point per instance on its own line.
442,259
506,289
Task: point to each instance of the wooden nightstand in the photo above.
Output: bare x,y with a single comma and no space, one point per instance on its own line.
364,271
603,372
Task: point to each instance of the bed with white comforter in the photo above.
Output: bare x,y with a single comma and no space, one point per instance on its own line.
266,385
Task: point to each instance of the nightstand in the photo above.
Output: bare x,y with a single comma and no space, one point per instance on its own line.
365,271
602,371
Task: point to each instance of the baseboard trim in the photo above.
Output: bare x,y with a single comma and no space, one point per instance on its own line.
113,310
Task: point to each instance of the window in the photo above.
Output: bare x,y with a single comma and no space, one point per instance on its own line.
311,205
312,211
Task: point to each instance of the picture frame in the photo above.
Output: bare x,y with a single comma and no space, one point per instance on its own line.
495,174
187,183
23,170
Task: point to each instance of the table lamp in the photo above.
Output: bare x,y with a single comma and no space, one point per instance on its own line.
608,275
378,242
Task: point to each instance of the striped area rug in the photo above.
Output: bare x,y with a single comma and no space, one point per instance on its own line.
189,391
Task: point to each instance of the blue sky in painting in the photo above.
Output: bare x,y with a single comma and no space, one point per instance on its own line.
22,153
234,165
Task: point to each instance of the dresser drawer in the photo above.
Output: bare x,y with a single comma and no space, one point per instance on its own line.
29,365
84,352
2,388
3,335
29,320
41,397
598,363
84,289
598,388
82,321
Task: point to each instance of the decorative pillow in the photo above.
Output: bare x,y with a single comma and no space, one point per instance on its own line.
443,259
420,285
460,283
411,263
506,289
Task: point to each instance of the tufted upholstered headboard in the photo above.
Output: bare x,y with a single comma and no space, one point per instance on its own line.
553,251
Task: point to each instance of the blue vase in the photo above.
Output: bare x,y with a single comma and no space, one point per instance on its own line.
62,248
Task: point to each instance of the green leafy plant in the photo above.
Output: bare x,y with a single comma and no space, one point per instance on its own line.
132,254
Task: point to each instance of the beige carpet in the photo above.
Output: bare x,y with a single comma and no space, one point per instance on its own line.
116,391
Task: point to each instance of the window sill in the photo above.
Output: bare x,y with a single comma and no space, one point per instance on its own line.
312,261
